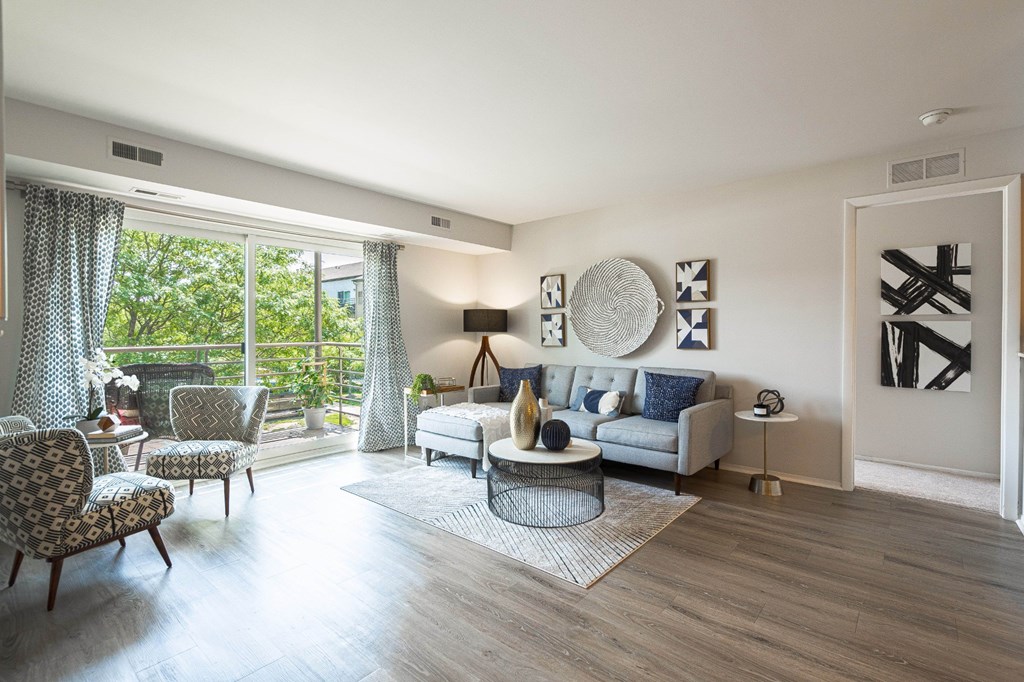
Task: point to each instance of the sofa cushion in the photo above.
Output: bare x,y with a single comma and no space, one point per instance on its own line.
555,384
706,393
668,395
582,424
587,399
510,377
641,433
606,379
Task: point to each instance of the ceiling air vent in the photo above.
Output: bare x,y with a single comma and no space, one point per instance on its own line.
930,169
154,193
442,223
133,152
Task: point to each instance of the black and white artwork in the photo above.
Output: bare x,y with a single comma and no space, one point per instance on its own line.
552,288
927,280
928,355
693,279
552,329
693,329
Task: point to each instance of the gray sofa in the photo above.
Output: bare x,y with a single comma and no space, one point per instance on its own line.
702,435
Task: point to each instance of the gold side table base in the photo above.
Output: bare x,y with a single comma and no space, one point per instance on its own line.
765,484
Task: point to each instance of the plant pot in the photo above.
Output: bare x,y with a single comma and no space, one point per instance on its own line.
314,417
87,426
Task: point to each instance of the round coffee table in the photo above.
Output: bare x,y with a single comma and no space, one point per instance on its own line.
545,489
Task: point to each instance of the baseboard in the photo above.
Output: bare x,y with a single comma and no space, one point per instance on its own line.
928,467
804,480
1020,524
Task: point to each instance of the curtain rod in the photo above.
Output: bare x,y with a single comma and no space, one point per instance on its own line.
22,186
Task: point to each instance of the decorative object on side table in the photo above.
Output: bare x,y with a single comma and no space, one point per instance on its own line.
693,281
552,291
693,329
763,483
552,329
315,390
769,402
555,435
484,320
97,373
524,418
613,307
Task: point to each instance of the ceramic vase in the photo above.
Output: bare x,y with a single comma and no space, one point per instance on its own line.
524,418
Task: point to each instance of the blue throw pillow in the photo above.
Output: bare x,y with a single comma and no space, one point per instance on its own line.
510,379
667,395
607,403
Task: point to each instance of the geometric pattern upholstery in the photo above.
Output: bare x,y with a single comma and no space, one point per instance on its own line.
219,428
15,424
201,459
50,505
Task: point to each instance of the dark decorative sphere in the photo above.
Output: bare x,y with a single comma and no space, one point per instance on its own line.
555,435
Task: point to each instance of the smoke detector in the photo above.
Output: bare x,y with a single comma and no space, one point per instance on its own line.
935,117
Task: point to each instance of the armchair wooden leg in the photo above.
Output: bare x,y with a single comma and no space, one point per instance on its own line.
122,542
18,556
55,566
227,495
472,467
679,484
159,542
716,463
191,485
252,487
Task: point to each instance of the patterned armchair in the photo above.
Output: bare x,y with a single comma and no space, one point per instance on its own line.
219,428
51,507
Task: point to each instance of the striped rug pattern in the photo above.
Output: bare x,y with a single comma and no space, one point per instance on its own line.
446,497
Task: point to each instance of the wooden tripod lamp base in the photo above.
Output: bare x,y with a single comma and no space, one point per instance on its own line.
487,321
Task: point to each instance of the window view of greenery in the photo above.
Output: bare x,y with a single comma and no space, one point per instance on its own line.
171,290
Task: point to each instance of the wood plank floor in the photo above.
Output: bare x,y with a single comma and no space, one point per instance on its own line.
305,581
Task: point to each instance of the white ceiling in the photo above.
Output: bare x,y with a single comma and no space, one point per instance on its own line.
526,109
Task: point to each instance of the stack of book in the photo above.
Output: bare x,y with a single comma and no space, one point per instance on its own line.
118,433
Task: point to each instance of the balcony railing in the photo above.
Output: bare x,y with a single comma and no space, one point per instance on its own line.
276,364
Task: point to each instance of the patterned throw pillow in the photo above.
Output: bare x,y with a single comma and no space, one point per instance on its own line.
607,403
510,379
667,395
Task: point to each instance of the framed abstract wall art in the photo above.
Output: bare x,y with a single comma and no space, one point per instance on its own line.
552,291
693,281
934,356
552,329
927,280
693,329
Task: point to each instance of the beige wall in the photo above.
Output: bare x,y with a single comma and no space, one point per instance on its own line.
776,249
947,429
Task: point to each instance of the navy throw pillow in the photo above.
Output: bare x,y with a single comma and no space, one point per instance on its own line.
667,395
510,379
587,399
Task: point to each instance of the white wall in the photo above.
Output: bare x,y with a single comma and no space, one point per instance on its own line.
776,250
948,429
10,339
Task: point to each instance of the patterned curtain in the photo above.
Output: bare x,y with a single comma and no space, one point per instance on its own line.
387,364
71,243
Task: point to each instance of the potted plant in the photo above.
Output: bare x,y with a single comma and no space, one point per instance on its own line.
315,390
421,383
97,373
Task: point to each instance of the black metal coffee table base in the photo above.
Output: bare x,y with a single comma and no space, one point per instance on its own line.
545,495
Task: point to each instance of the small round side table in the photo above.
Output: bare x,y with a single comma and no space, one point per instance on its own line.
763,484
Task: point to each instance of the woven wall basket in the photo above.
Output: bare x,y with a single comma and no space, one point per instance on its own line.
613,307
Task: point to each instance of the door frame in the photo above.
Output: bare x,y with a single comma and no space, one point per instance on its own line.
1009,187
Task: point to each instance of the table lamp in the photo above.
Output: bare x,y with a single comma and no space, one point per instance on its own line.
484,320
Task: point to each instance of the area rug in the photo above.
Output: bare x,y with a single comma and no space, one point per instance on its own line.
446,497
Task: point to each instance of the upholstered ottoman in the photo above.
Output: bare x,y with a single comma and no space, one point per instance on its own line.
437,432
